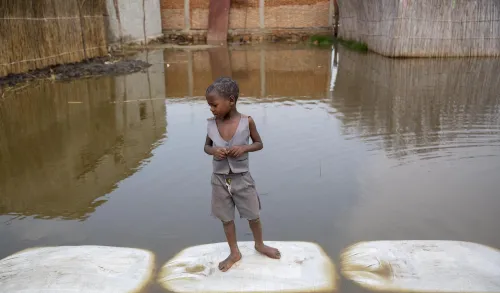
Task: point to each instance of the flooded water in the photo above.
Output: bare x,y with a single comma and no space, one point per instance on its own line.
357,147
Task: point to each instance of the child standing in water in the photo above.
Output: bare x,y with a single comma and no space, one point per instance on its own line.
232,184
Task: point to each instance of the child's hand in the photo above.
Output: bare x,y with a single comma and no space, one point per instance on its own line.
220,153
236,151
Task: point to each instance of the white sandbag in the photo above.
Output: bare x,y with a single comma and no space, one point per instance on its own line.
423,266
303,267
82,269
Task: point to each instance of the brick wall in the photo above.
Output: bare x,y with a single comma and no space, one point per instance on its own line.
245,14
172,14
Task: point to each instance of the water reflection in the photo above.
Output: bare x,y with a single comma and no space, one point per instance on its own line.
261,72
420,108
373,149
66,145
431,128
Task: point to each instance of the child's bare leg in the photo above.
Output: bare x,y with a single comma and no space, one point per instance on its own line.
235,256
256,228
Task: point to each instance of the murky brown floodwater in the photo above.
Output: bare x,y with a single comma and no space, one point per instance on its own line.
371,149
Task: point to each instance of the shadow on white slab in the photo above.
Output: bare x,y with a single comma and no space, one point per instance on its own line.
303,267
423,266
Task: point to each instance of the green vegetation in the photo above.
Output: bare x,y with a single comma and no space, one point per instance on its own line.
322,40
353,45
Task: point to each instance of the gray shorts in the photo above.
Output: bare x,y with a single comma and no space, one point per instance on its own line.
233,190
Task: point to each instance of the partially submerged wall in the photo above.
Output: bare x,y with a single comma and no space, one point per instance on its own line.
133,20
424,28
264,16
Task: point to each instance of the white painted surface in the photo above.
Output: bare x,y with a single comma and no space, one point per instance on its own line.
82,269
423,266
131,15
187,15
303,267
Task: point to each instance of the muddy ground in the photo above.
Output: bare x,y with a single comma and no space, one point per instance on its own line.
109,65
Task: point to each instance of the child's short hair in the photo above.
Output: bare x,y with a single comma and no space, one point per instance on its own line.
224,87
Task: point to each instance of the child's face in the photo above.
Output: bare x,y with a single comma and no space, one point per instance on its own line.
219,106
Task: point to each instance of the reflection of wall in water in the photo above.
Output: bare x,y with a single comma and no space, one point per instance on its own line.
416,102
260,73
57,158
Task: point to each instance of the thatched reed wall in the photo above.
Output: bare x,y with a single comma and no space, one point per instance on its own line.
423,28
39,33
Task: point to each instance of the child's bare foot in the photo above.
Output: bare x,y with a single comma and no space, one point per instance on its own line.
268,251
229,261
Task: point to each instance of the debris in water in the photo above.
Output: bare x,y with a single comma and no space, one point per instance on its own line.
94,67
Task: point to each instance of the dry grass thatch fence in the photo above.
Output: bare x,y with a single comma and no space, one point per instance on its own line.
423,28
39,33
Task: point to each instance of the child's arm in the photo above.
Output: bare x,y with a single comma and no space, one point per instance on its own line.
219,153
256,145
